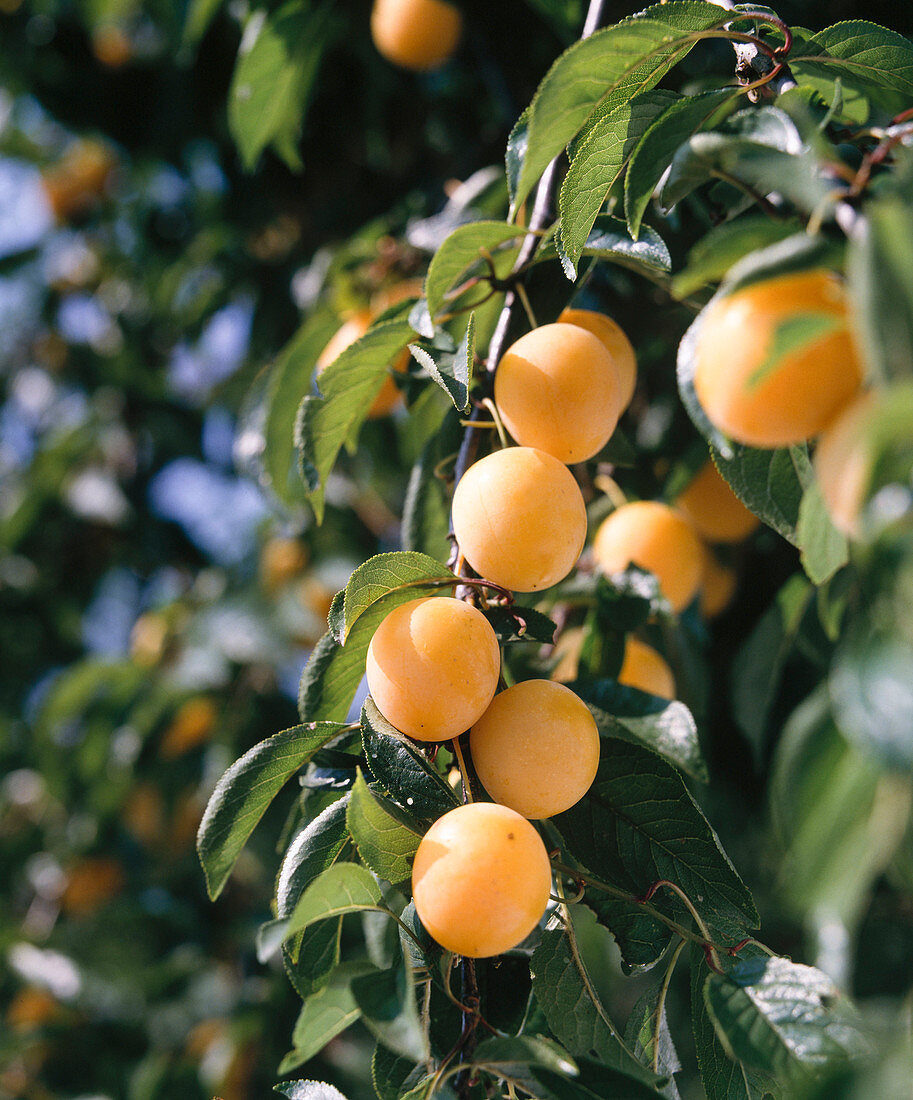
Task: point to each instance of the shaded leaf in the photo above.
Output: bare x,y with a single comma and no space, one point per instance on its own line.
386,840
824,548
858,48
521,624
323,1016
594,1082
724,245
386,999
648,1036
401,768
453,371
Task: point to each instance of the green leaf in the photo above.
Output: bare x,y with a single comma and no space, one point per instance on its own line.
274,79
758,667
605,70
799,252
638,824
568,994
323,1016
389,1073
723,1078
340,889
647,1033
386,840
861,49
781,1018
245,791
666,727
598,163
290,379
839,820
594,1082
398,572
724,245
200,13
453,371
513,1055
610,241
386,999
761,150
320,844
462,253
767,482
881,287
656,147
348,386
824,548
517,144
402,769
521,624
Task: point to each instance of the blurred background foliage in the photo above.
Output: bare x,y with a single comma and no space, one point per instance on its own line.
158,599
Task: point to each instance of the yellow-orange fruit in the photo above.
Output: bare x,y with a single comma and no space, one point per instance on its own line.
616,342
760,397
519,518
643,668
433,667
716,512
191,726
558,389
148,639
111,45
481,879
843,464
90,884
143,814
388,396
31,1008
420,35
656,538
718,585
76,182
536,748
281,560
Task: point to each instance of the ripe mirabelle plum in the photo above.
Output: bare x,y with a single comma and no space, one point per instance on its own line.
388,396
615,340
416,34
716,512
643,668
557,388
75,183
653,536
433,667
536,748
192,726
519,518
281,560
90,884
796,394
843,464
718,585
481,879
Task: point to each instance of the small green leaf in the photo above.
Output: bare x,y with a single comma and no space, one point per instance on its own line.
656,147
593,1082
610,241
724,245
452,371
200,13
402,769
323,1016
245,791
861,49
513,1055
647,1033
386,840
348,386
521,624
462,253
517,144
781,1018
399,572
